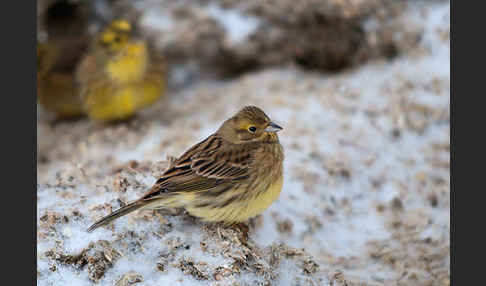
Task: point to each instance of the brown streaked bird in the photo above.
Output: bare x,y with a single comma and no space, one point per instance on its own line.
229,177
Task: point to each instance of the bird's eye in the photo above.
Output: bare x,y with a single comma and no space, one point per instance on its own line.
252,129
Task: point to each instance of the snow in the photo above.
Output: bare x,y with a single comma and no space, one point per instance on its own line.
238,26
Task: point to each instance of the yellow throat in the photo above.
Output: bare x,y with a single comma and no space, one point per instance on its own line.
130,65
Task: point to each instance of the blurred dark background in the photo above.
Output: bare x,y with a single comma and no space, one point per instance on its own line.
226,38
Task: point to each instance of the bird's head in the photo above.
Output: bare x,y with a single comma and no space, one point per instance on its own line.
250,124
116,36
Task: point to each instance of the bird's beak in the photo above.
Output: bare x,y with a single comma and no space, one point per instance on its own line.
272,127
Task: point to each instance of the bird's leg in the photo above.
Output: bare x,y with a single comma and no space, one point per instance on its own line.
255,222
244,229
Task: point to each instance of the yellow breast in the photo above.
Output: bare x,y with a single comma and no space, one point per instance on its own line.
261,202
108,104
130,66
127,87
239,210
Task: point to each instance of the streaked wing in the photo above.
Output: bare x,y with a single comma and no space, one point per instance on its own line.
210,165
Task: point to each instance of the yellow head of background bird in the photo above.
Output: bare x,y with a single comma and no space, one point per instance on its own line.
229,177
120,75
116,35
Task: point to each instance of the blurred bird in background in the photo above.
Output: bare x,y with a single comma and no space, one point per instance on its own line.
120,74
57,90
58,56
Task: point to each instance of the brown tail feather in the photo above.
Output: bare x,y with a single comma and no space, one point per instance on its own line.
116,214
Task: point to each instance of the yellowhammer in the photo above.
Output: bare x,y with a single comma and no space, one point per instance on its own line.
57,60
120,74
229,177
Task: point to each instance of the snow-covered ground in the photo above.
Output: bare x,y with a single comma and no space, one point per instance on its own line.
366,190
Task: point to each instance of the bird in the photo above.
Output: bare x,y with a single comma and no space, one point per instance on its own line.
57,90
229,177
120,75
